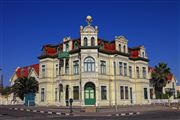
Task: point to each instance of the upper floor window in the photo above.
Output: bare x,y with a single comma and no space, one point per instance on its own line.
120,68
89,64
144,72
119,47
130,71
67,67
43,69
57,69
125,69
85,41
137,72
124,49
76,67
103,67
92,41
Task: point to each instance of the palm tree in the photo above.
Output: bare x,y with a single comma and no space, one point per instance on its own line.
159,78
24,85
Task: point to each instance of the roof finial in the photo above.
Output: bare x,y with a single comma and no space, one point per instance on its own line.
89,20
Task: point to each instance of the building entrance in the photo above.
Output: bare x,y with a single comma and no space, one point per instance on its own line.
89,94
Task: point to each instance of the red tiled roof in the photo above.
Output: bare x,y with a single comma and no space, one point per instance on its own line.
169,76
150,69
24,71
50,50
134,53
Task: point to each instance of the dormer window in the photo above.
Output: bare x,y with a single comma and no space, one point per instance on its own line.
75,45
67,47
22,72
124,49
101,45
29,70
92,41
85,41
119,47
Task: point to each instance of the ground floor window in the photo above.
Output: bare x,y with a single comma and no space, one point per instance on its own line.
122,92
56,94
103,93
151,93
42,94
126,93
145,93
76,92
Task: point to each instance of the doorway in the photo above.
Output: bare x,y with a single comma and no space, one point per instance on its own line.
89,94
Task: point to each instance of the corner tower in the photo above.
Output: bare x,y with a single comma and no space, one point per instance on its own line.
89,34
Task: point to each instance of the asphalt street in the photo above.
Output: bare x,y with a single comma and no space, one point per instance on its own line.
7,114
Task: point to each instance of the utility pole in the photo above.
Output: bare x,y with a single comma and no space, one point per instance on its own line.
115,91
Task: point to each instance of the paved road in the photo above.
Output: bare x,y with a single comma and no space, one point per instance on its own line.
7,114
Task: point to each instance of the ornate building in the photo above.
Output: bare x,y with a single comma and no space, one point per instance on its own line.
93,71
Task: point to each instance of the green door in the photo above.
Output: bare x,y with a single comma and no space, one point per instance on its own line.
89,95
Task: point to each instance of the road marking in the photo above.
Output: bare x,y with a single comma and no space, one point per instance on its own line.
137,113
34,110
41,111
49,112
21,109
16,108
28,110
123,114
58,113
130,113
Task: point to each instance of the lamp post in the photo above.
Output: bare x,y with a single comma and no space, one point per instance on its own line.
115,92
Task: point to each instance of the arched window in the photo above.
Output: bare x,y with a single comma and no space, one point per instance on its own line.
92,41
124,48
85,41
67,47
89,64
119,47
143,55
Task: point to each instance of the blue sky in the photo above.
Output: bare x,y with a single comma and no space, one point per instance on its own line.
27,25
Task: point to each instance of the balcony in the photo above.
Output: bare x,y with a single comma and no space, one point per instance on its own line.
63,55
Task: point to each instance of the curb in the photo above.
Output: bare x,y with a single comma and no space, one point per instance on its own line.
127,114
41,111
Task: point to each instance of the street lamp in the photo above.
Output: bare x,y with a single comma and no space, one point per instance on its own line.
115,94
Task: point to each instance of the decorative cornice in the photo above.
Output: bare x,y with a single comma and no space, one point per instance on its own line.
140,58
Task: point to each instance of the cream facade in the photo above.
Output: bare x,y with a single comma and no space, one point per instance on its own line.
93,72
